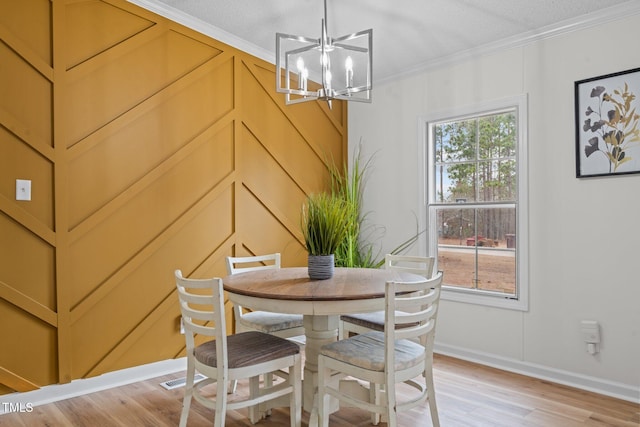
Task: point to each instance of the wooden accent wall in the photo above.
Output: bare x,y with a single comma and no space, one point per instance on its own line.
150,147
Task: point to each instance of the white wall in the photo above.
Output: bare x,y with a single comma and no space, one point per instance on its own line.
584,246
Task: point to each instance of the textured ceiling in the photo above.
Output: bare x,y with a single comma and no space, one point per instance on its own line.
408,35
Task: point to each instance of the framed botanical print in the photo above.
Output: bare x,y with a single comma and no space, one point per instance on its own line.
607,116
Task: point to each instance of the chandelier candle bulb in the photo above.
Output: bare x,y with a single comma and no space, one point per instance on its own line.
348,65
300,67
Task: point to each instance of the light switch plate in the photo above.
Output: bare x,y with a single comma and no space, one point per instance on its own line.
23,189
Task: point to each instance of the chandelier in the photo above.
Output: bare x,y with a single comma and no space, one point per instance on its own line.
325,68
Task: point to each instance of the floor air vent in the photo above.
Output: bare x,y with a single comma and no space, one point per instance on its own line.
180,382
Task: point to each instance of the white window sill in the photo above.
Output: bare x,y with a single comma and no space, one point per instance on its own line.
470,297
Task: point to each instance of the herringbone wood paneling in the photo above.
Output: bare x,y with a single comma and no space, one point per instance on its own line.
150,147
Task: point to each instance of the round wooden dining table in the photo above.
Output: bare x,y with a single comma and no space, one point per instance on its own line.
321,302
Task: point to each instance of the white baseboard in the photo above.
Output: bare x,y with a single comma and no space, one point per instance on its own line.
56,392
584,382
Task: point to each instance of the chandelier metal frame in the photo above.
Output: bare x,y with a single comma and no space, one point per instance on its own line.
302,82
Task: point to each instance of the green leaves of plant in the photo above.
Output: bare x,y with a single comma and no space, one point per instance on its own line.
324,223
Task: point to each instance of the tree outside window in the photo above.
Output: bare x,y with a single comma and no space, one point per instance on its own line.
474,201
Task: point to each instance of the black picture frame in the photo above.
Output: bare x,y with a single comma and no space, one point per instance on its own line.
607,120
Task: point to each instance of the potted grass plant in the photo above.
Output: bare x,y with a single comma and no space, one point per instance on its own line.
357,249
324,226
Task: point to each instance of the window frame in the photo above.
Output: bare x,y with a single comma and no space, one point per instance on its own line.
429,240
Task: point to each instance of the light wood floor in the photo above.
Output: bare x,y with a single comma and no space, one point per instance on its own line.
467,395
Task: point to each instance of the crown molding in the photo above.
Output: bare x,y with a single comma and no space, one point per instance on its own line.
621,11
205,28
603,16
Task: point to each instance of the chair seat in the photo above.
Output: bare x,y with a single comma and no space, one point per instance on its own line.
247,348
268,322
367,351
373,321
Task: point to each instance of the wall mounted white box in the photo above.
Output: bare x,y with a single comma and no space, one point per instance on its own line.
591,335
23,189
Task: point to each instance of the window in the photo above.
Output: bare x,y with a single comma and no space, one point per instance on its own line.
476,202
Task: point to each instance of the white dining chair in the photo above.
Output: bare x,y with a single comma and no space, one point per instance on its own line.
229,358
401,354
279,324
365,322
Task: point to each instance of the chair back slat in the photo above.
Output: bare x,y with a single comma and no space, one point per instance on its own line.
411,264
404,318
251,263
415,296
193,298
417,333
206,320
197,314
